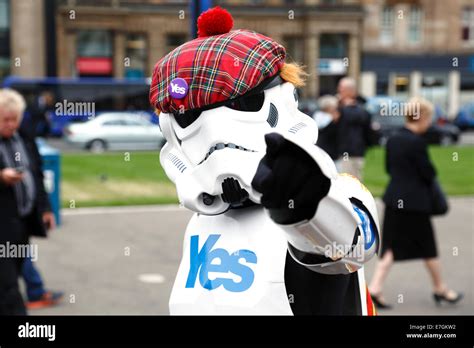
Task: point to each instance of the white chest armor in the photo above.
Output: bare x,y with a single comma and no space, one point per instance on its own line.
232,263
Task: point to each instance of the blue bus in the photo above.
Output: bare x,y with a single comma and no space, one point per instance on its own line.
53,103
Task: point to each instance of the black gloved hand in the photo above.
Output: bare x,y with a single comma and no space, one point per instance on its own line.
291,183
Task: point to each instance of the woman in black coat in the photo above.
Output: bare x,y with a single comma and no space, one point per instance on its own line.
407,230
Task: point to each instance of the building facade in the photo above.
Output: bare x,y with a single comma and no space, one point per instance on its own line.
420,47
4,39
126,38
392,47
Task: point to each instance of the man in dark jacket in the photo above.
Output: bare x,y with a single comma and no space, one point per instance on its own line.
24,204
354,130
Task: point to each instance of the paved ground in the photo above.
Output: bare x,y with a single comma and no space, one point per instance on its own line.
123,261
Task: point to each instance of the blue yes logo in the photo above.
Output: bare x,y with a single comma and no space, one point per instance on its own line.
217,260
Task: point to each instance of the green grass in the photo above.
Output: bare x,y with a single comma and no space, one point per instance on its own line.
109,180
454,165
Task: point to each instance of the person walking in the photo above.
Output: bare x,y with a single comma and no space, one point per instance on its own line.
36,293
24,204
407,229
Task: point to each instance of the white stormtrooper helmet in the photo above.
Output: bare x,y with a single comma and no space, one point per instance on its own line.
212,155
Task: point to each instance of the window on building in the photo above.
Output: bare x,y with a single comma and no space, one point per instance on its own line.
295,48
434,87
4,39
415,25
94,53
468,24
4,11
332,63
175,40
94,43
402,82
293,2
136,51
387,25
333,45
330,2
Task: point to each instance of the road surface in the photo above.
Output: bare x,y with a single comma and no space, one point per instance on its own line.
123,261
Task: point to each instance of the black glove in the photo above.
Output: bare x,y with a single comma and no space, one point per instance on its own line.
291,183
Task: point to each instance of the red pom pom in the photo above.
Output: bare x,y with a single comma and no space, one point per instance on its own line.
214,21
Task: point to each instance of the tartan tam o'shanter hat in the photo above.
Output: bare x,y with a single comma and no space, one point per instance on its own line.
217,66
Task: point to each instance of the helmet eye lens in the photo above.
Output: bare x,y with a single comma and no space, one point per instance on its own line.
248,103
185,119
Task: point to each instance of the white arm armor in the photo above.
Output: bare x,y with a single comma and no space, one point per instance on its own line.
343,234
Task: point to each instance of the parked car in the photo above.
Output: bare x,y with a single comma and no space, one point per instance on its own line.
385,122
115,131
387,118
442,131
465,117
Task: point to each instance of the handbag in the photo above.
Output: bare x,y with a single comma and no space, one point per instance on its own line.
439,203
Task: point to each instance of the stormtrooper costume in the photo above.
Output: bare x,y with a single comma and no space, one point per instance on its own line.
265,239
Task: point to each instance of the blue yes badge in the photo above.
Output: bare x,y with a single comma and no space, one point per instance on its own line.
207,260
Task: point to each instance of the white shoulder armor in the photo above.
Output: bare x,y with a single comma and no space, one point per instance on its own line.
343,234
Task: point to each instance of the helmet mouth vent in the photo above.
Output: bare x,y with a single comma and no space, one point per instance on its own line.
222,146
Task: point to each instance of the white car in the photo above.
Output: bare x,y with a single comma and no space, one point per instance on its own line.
115,131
